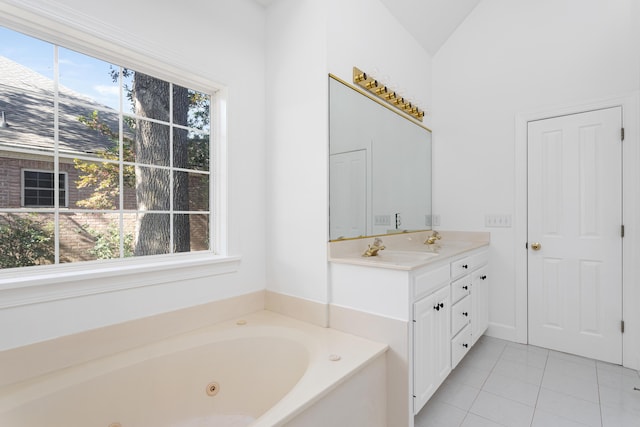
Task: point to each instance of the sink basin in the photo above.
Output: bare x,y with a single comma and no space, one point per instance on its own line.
405,256
408,257
455,244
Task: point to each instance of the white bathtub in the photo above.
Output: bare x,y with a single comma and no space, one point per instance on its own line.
263,370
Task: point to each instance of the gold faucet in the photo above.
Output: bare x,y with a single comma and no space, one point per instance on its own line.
432,239
374,249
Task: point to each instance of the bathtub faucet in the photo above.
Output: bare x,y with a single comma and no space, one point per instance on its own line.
375,248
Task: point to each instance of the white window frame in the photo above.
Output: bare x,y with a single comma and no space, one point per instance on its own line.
23,188
33,285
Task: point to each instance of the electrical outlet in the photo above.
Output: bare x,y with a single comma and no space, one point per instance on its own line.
497,220
382,220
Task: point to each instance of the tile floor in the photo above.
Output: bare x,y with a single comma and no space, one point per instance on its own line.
500,383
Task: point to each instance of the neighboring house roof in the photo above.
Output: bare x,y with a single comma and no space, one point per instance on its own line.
26,98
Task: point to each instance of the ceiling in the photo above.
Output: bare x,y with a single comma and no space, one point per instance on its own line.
430,22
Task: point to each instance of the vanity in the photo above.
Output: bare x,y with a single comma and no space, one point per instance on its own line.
428,302
441,290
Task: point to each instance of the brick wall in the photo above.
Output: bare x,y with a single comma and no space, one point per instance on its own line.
11,188
11,179
76,240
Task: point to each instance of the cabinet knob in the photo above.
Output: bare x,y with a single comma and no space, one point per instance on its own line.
436,307
465,345
441,305
465,287
465,313
465,266
483,277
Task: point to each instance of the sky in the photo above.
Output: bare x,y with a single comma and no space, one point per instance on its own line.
82,73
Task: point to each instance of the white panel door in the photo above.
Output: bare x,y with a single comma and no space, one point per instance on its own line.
574,234
348,201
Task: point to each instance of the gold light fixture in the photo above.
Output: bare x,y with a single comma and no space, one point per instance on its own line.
374,87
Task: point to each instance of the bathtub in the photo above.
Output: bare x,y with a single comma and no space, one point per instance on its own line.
261,370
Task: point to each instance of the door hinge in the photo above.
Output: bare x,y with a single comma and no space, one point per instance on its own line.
622,230
622,326
526,245
621,134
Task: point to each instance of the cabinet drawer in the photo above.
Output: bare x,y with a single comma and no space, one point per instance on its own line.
429,281
468,263
460,344
460,315
460,267
460,288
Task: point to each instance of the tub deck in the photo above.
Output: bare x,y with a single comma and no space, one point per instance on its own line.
268,369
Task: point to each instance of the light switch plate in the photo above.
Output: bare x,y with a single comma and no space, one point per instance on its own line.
497,220
382,220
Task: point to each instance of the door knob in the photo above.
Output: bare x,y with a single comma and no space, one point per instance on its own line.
536,246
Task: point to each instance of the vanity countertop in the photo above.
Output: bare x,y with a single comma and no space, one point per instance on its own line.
407,251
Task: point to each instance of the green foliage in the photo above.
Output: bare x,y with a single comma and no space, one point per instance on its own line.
107,243
25,241
198,118
104,177
199,106
198,153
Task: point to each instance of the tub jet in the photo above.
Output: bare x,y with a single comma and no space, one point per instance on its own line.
213,388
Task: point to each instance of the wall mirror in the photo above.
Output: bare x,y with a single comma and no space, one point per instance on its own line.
379,167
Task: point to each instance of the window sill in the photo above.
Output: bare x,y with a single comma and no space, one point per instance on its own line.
33,285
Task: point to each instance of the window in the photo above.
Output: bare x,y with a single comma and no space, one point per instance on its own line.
132,153
38,189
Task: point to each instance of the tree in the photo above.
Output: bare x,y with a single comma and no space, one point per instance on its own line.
151,147
152,144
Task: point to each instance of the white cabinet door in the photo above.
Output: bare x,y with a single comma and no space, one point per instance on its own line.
479,302
431,349
423,360
442,338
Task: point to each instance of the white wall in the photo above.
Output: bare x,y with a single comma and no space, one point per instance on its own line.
512,57
217,41
363,33
282,218
306,41
297,138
